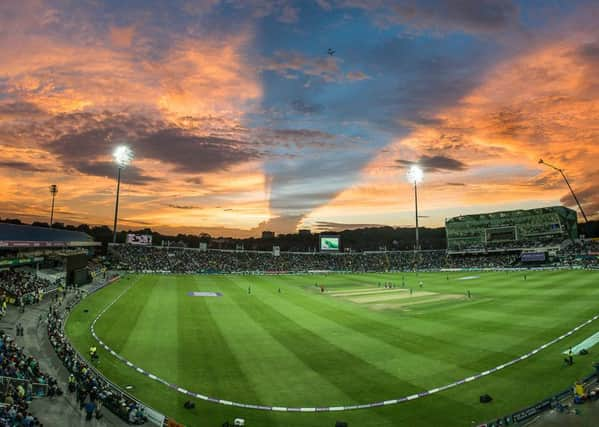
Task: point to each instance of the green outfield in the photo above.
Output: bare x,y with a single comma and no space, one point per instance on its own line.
288,344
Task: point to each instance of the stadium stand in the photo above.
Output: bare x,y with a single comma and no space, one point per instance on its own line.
495,260
16,235
511,230
489,241
178,260
34,261
17,285
36,258
144,258
91,390
520,238
21,380
584,253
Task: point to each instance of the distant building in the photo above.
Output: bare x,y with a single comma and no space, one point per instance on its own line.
305,232
268,234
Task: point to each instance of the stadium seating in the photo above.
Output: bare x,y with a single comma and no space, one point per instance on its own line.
511,230
17,393
22,284
86,384
178,260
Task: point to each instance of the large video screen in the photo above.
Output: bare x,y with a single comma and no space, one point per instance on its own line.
329,243
139,239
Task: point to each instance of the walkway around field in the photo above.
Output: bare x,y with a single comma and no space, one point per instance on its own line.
60,411
324,408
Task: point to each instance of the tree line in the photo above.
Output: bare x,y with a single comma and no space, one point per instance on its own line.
361,239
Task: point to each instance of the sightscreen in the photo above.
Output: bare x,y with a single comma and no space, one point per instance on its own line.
329,243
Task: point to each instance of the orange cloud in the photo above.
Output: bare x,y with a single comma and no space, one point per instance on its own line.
200,78
539,104
122,36
61,88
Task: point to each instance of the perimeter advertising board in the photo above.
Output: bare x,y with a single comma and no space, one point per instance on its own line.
533,256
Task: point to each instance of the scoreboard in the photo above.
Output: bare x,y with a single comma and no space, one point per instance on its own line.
139,239
330,243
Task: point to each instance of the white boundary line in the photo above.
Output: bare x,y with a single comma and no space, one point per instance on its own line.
324,408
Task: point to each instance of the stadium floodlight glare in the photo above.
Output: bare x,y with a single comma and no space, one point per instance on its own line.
122,157
53,191
415,176
561,171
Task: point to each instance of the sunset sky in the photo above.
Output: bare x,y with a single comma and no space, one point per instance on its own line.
241,121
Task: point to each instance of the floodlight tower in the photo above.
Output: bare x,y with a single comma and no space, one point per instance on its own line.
414,176
122,157
541,162
53,191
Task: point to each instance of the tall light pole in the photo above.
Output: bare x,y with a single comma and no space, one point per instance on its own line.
415,176
541,162
53,191
122,157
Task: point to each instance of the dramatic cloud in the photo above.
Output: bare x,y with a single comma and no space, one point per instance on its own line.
435,163
299,138
194,154
19,109
241,121
185,207
122,36
357,75
196,180
588,197
321,226
132,174
589,51
538,104
21,166
306,108
462,15
278,224
288,64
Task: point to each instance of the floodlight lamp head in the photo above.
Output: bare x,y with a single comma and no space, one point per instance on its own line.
122,156
53,189
415,174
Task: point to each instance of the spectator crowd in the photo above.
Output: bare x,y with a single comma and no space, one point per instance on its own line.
584,253
179,260
22,286
92,392
21,380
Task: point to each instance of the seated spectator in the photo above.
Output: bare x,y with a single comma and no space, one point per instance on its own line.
22,287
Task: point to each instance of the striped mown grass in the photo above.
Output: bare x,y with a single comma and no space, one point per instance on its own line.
299,347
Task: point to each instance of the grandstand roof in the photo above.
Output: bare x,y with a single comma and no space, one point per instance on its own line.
13,235
560,209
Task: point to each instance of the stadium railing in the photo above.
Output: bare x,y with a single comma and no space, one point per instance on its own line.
525,415
153,416
37,390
